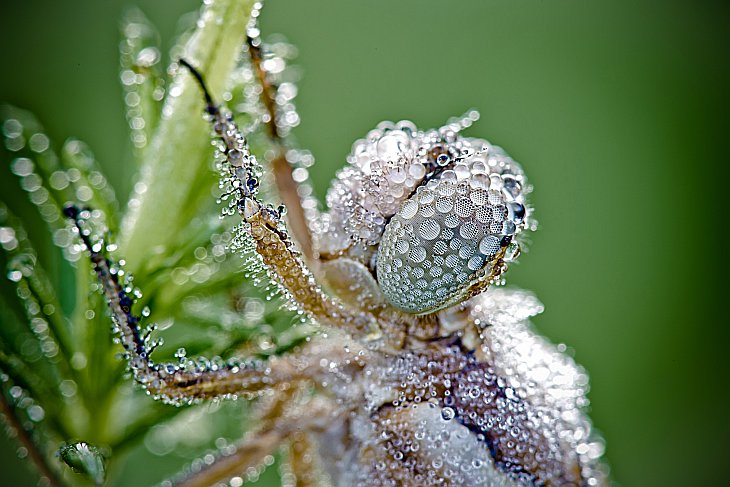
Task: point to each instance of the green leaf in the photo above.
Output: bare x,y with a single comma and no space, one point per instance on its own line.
180,151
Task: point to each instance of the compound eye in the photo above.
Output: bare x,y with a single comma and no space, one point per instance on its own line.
447,240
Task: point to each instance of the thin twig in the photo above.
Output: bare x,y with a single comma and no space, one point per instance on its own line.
288,188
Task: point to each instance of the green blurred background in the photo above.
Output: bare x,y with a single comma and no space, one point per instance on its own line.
617,109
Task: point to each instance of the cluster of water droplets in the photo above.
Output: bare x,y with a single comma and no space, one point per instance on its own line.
383,170
44,338
432,214
455,231
276,55
241,173
541,373
32,347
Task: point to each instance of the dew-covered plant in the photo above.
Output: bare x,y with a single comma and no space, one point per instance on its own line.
355,344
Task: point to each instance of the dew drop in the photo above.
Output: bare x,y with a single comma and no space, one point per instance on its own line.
447,413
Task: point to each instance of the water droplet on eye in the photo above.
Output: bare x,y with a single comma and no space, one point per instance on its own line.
409,210
476,262
516,212
390,147
452,221
466,251
426,197
427,211
444,205
448,413
479,181
495,197
509,228
484,214
511,187
464,207
469,231
417,254
402,246
429,229
489,245
479,197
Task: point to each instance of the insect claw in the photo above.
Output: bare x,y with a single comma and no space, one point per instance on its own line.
71,211
250,207
211,107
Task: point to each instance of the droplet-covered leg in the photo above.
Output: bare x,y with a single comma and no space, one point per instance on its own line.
280,420
301,462
249,453
189,381
281,167
263,224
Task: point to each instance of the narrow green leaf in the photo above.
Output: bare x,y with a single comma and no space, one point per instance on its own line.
180,150
36,165
34,290
91,186
142,78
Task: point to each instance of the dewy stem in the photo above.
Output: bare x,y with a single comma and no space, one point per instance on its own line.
281,168
180,148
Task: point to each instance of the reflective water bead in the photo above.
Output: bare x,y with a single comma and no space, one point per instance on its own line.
516,212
